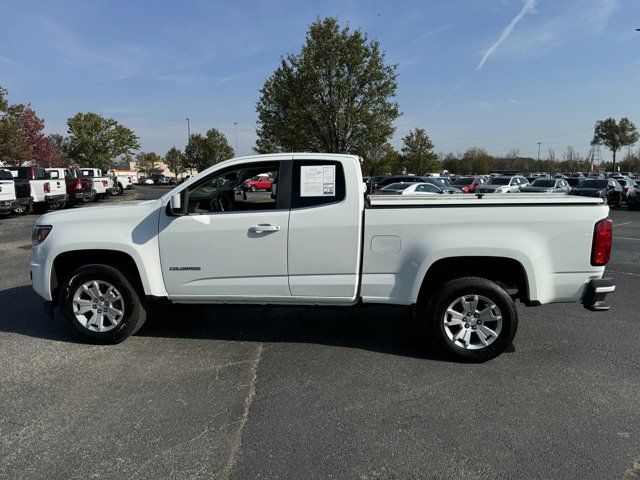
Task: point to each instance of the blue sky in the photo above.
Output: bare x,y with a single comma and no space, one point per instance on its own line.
499,74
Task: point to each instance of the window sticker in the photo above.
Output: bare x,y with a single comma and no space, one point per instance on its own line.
318,181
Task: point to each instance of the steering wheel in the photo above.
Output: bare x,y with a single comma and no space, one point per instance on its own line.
224,203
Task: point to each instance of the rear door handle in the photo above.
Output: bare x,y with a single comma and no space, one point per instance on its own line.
264,227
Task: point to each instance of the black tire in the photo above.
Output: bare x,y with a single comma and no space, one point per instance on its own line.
431,315
135,312
40,208
253,188
23,209
57,205
619,202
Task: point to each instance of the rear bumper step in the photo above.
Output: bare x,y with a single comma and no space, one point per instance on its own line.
596,292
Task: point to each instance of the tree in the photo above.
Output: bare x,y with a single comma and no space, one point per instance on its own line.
478,160
614,135
417,153
334,96
148,163
12,148
61,145
39,148
95,141
379,160
175,161
202,151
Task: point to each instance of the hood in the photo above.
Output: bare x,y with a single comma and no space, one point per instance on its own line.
129,211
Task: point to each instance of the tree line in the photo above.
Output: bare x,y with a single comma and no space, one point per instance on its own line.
336,95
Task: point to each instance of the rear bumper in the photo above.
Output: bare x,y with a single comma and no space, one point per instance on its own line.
8,205
595,293
55,198
81,195
111,190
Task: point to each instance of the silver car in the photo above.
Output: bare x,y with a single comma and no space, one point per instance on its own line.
503,185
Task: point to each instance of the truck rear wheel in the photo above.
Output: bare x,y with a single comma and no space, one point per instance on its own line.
101,306
471,319
23,209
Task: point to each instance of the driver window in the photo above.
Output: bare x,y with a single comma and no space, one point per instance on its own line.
239,189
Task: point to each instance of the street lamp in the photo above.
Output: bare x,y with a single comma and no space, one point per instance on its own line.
235,126
539,143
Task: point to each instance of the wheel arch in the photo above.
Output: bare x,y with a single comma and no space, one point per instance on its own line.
65,263
505,271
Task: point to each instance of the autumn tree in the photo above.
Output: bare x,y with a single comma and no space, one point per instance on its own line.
336,95
417,153
175,161
39,148
95,141
202,151
615,135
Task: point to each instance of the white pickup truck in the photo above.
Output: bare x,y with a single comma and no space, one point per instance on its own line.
102,183
45,193
8,199
315,239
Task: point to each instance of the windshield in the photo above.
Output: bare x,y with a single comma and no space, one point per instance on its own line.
396,186
594,184
544,183
463,181
499,181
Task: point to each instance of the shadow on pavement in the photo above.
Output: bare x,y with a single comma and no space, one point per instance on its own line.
380,328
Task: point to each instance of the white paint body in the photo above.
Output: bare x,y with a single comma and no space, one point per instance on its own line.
101,182
7,191
335,254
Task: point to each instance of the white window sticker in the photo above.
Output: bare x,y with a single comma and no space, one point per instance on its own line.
318,181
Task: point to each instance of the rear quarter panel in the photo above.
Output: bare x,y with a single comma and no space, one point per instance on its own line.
552,243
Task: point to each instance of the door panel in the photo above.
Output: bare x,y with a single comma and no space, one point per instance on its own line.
222,254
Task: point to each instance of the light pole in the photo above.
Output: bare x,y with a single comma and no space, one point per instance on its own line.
188,140
235,126
539,143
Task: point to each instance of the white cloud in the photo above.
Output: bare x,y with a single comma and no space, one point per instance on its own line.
528,7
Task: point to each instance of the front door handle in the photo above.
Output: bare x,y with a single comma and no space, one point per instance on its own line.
264,227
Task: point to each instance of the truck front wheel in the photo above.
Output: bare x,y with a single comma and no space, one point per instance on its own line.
100,305
471,319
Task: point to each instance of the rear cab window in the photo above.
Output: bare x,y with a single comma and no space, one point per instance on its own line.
317,182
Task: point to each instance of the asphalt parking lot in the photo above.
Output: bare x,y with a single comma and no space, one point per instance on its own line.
301,393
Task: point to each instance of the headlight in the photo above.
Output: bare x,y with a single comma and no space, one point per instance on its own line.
40,233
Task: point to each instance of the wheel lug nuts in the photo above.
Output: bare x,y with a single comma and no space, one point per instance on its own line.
473,328
466,325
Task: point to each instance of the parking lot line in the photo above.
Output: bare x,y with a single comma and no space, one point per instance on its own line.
621,224
624,273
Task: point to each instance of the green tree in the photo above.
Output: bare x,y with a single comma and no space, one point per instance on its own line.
61,145
95,141
334,96
417,153
477,160
379,160
148,162
202,151
175,161
614,135
13,150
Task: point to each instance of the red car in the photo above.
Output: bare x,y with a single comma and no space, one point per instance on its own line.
468,184
259,182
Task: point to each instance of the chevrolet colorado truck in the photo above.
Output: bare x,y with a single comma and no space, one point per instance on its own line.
316,239
102,183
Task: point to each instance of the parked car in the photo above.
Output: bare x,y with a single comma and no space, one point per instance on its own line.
627,185
468,184
34,182
410,189
378,182
547,185
78,189
503,185
8,199
159,179
574,181
320,243
122,182
102,183
609,189
442,186
633,199
259,182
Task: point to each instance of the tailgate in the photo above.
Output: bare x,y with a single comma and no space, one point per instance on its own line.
58,186
7,190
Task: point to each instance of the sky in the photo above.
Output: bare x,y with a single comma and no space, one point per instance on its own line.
498,74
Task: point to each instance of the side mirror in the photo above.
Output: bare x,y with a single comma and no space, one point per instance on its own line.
176,206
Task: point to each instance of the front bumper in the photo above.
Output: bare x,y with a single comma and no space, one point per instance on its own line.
8,205
596,292
56,198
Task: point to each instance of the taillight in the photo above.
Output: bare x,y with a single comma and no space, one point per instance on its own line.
602,239
47,188
129,179
105,182
78,185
